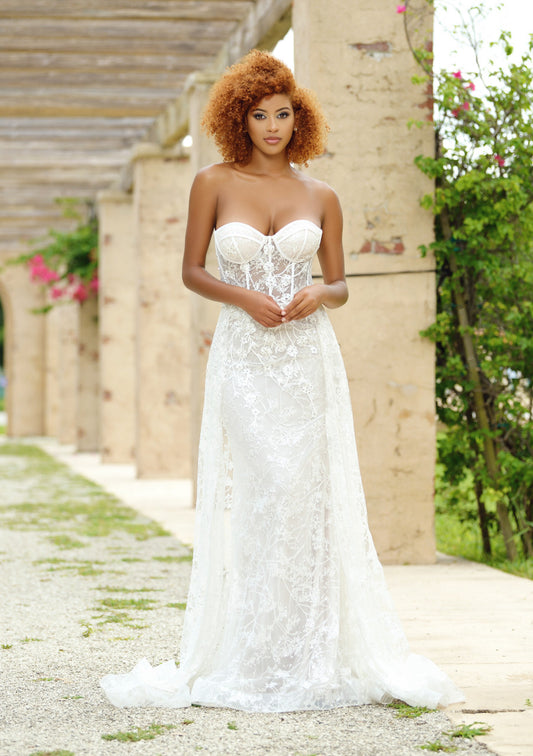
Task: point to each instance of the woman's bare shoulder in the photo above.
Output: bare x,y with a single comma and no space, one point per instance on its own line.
214,173
326,196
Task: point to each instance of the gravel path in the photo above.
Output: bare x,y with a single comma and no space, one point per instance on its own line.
89,587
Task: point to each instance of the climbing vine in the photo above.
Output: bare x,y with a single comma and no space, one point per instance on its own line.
67,266
483,207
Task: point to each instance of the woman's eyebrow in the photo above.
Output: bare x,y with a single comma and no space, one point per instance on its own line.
262,110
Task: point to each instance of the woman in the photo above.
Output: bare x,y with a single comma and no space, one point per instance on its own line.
287,607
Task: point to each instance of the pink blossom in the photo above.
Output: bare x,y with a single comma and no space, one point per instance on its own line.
499,160
94,283
48,275
456,111
37,260
80,293
401,8
457,74
466,106
56,292
470,85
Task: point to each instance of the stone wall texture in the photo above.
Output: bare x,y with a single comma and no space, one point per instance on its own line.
117,312
361,70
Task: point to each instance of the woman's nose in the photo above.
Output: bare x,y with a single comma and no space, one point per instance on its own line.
272,124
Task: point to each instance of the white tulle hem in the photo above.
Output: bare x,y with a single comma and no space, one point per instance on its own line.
417,682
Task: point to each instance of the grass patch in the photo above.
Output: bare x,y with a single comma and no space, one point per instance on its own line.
84,567
410,712
118,589
5,646
66,542
54,495
59,752
436,745
142,605
148,733
177,605
31,640
469,731
232,726
462,538
169,558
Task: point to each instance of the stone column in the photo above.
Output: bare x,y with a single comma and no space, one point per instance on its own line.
24,352
204,313
68,372
88,383
52,370
117,313
356,58
161,183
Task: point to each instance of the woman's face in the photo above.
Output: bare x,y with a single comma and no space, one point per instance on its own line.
270,124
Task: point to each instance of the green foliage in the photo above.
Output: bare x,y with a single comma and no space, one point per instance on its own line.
483,207
470,731
66,261
140,733
403,710
437,746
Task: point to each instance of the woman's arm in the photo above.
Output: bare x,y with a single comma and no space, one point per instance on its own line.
201,221
333,292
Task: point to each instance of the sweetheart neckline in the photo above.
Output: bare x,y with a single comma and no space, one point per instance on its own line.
268,236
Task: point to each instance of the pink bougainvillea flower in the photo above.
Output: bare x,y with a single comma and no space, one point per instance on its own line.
471,85
401,8
499,160
37,260
94,284
457,74
71,278
455,112
48,275
56,292
80,293
466,106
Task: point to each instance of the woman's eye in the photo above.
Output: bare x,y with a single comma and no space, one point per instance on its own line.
285,114
258,116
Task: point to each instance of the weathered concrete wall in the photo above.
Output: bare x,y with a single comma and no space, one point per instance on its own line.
52,399
117,312
68,373
161,184
355,57
204,312
24,352
88,416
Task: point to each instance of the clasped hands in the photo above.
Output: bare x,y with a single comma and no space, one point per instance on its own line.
266,311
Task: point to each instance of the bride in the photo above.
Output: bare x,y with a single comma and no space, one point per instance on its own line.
288,607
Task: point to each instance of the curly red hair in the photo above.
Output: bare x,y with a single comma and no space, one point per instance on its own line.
257,75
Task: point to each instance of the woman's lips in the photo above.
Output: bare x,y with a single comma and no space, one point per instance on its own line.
272,140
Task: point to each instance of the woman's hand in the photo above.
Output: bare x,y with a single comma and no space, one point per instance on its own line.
305,302
262,308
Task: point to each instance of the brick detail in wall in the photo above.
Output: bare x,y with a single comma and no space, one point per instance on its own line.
393,247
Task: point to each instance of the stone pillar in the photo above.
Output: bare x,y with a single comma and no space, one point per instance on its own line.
117,313
68,373
24,353
356,58
52,369
161,184
204,313
88,374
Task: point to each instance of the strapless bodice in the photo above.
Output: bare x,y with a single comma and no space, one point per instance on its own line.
278,265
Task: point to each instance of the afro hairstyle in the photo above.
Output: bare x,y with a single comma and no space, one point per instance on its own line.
260,74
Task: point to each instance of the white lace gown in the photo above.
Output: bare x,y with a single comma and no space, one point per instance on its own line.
288,607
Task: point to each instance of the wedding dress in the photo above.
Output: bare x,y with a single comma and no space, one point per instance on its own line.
288,607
